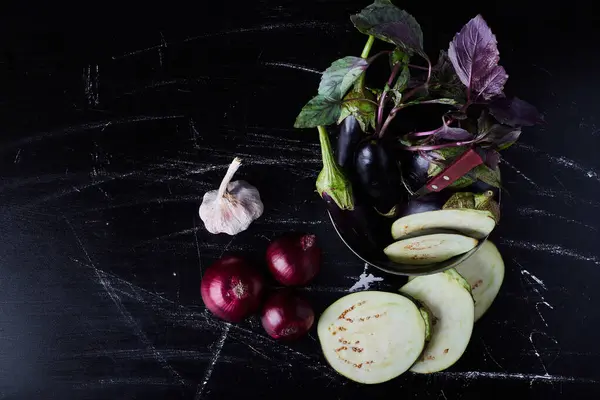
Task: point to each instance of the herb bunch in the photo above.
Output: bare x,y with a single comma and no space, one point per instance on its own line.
467,78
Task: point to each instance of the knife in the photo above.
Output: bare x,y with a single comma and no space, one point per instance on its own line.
459,167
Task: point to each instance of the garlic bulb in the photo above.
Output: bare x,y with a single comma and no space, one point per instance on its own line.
233,207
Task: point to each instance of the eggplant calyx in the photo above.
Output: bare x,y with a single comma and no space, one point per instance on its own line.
331,179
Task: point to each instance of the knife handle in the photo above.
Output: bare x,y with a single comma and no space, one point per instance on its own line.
459,167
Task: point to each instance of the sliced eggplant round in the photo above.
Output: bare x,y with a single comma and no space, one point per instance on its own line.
474,223
453,314
371,337
484,271
429,249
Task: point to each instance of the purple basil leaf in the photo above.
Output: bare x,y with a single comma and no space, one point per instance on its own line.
515,112
475,56
498,136
492,158
387,22
509,139
451,133
341,75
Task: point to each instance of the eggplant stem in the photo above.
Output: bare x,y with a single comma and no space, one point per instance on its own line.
360,83
367,48
233,167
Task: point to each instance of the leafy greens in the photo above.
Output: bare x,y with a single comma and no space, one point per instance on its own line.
467,79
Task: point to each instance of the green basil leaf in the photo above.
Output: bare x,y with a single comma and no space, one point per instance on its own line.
341,75
488,175
389,23
320,110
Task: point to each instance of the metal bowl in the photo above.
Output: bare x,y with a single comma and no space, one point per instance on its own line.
376,257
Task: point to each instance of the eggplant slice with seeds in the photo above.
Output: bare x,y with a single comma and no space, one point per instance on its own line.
372,337
484,271
475,223
429,249
451,304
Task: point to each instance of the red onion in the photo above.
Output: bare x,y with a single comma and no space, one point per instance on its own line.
232,289
287,316
294,259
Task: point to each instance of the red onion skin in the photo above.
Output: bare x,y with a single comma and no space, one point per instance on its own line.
294,259
232,289
287,316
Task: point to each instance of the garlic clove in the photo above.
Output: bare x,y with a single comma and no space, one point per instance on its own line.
233,207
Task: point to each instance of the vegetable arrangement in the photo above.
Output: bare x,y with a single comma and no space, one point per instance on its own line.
436,191
384,168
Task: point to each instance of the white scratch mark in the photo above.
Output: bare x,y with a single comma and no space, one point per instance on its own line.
213,361
364,281
522,175
197,247
287,221
163,44
540,313
530,212
551,249
18,156
564,162
328,27
535,351
324,289
129,320
292,66
515,376
488,352
86,127
227,246
90,77
535,278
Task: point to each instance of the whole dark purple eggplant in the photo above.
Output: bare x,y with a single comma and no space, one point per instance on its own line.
428,202
348,138
378,175
414,170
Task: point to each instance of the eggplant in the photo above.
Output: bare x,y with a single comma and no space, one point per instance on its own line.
357,223
448,297
475,223
484,271
429,202
378,176
348,138
429,249
371,337
415,170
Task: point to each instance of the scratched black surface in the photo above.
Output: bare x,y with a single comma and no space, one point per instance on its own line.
112,132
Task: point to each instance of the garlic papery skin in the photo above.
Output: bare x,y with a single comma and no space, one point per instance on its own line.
233,207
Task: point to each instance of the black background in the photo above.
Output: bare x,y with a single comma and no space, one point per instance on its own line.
115,123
